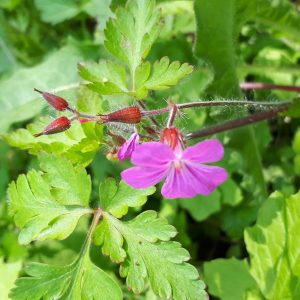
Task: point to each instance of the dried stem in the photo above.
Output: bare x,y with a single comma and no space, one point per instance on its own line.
236,123
259,85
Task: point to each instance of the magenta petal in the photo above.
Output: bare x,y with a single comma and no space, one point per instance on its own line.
204,152
204,179
153,154
143,177
127,148
177,186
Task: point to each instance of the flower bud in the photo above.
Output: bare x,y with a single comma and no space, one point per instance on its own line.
57,102
59,125
130,115
116,139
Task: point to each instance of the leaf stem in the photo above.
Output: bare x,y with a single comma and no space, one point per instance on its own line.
236,123
87,242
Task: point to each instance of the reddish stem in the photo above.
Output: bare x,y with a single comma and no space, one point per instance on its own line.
259,86
236,123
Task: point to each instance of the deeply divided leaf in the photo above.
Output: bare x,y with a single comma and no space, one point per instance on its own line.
143,256
48,206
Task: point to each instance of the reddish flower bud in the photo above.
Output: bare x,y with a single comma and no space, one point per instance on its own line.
57,102
117,139
130,115
59,125
171,137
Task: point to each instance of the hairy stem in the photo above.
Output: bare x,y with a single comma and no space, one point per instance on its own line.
236,123
141,104
216,103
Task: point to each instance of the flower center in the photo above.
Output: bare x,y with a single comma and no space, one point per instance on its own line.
178,166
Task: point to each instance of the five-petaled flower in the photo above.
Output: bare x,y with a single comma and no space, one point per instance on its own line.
185,173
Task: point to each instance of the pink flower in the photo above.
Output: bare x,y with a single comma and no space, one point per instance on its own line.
127,148
185,173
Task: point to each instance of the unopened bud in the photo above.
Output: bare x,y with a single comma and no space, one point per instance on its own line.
57,102
117,139
131,115
59,125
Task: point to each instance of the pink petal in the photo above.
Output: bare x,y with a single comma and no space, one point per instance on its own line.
127,148
143,177
204,152
204,179
153,154
177,186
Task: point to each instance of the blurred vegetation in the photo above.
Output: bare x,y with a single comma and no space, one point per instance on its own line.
41,42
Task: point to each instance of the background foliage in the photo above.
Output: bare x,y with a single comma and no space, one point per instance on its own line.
228,42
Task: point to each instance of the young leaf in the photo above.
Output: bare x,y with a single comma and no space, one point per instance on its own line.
273,245
163,262
42,213
116,200
160,77
131,35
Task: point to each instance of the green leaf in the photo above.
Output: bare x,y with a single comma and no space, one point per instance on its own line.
163,262
56,11
8,274
200,207
221,283
231,192
116,200
160,77
108,77
45,213
131,35
80,280
273,245
293,109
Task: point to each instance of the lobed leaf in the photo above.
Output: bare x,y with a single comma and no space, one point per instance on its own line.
42,213
160,77
273,245
131,35
116,200
164,263
80,280
108,77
